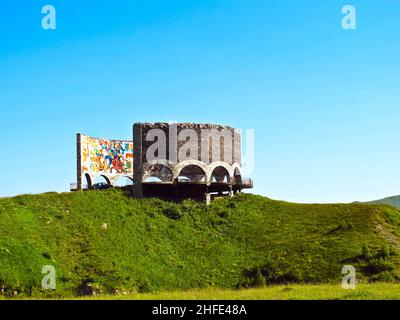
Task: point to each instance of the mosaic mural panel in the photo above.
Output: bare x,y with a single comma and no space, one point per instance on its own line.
101,156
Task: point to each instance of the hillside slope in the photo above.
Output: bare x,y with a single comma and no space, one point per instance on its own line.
107,241
393,201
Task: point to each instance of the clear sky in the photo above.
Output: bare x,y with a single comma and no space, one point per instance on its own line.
324,102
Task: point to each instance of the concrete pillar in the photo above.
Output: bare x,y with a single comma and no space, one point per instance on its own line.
208,198
176,189
137,190
79,162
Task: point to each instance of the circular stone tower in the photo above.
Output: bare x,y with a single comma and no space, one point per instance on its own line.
187,160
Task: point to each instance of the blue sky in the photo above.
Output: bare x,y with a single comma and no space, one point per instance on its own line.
324,102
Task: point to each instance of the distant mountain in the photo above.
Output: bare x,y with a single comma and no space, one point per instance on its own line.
394,201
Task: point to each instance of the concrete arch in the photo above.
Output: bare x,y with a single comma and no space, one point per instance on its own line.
117,178
215,164
236,167
158,170
237,174
129,177
194,173
181,165
106,178
219,173
89,180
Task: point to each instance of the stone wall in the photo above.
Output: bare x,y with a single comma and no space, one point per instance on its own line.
165,150
211,147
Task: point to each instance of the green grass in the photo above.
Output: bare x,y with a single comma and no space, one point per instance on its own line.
375,291
151,245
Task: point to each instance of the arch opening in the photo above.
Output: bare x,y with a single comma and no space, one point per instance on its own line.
220,175
158,173
87,182
123,182
192,173
152,179
237,176
101,182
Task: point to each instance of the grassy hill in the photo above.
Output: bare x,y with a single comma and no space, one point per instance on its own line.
393,201
108,242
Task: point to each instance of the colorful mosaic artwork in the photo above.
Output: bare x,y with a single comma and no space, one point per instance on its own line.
106,156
